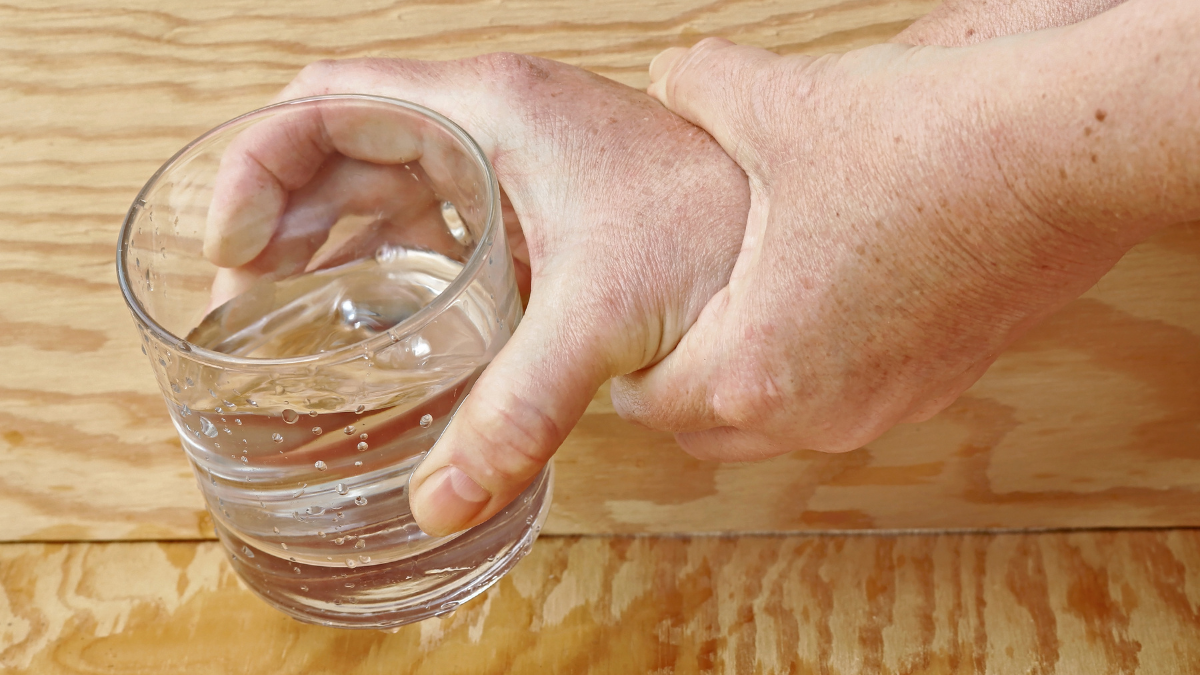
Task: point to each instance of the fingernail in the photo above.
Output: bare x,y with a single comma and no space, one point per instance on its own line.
447,501
664,61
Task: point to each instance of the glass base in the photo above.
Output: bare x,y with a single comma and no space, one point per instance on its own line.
382,596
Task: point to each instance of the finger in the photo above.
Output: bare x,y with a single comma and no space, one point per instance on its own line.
280,155
710,85
727,444
343,188
675,394
517,414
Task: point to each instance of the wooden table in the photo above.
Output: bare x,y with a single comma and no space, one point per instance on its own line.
798,564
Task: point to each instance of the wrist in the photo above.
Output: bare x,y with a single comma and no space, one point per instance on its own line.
1089,124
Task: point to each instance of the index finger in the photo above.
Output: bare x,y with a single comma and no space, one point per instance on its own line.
269,160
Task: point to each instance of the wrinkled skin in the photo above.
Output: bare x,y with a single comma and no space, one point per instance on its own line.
870,268
913,212
624,220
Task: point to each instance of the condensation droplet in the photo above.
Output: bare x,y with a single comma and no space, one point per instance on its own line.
365,558
174,387
245,459
339,541
362,437
351,563
316,511
358,463
349,584
342,489
296,570
304,588
276,437
360,544
321,535
321,466
359,410
426,420
290,416
283,546
312,413
360,500
362,447
276,530
248,553
349,431
278,390
237,422
317,431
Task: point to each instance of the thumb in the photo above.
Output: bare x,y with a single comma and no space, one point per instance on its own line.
710,85
514,419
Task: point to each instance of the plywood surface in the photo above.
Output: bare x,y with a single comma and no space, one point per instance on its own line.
1094,603
1093,420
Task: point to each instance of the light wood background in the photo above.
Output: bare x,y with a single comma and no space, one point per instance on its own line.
1093,420
1075,604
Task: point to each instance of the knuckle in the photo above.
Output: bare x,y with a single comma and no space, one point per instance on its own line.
749,397
514,436
514,70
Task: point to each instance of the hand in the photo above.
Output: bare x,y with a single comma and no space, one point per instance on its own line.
629,221
888,259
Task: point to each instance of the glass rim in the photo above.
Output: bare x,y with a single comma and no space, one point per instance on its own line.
405,328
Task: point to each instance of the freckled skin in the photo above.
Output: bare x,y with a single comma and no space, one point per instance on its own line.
896,277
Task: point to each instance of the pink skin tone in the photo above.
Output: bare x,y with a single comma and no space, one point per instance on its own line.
864,236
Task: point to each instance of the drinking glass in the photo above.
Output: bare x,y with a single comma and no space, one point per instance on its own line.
305,396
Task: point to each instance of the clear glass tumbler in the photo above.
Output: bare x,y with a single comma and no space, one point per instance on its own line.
308,383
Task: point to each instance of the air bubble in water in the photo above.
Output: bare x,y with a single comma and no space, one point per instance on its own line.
426,420
362,447
360,500
290,416
276,437
321,466
208,428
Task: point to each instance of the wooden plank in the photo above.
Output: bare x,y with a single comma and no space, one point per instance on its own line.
1098,602
1090,421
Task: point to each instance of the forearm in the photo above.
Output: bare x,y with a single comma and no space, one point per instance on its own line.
964,22
1096,126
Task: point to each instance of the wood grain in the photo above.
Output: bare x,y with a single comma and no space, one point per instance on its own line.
1092,420
1095,603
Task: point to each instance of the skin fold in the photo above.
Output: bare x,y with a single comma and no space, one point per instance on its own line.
772,253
